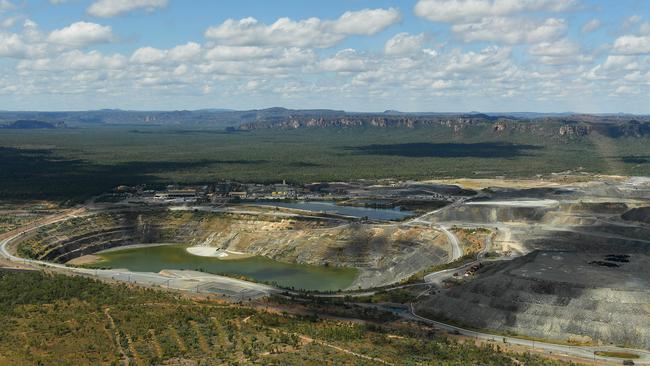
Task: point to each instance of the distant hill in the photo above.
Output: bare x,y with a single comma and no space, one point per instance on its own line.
32,125
569,126
564,125
200,118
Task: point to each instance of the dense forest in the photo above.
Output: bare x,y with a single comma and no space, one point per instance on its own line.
71,164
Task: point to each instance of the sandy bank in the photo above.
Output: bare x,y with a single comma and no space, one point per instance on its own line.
204,251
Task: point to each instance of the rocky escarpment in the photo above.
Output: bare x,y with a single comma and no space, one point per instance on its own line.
569,127
294,122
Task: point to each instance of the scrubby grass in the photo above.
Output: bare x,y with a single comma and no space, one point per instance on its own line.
58,320
399,296
69,164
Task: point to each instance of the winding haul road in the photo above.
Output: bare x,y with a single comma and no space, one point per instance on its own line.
456,250
241,290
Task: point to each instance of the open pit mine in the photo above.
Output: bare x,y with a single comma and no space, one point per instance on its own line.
562,259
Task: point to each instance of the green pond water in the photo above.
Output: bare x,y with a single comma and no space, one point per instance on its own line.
298,276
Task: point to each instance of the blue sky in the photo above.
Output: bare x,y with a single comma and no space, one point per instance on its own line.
358,55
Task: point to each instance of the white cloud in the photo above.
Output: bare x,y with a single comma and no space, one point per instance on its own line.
441,84
111,8
182,53
511,30
148,55
561,52
631,21
75,60
563,47
81,34
472,62
621,62
644,28
9,22
27,44
6,5
347,60
591,26
181,70
365,22
11,45
245,60
228,60
473,10
234,53
185,52
31,32
312,32
632,45
404,44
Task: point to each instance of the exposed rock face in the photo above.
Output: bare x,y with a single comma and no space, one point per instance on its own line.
383,254
574,131
559,128
365,121
500,126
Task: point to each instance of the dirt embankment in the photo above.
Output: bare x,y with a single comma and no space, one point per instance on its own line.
641,214
565,296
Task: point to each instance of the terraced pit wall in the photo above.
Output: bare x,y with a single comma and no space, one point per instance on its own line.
383,254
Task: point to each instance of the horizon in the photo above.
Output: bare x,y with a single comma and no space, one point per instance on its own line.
385,111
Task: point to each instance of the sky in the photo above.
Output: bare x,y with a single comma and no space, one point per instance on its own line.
590,56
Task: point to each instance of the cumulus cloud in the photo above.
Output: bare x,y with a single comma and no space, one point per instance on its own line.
563,47
285,58
621,62
9,22
148,55
12,45
591,26
472,62
312,32
511,30
365,22
561,52
112,8
181,53
6,5
81,34
347,60
470,10
185,52
632,45
234,53
228,60
75,60
631,21
404,44
27,44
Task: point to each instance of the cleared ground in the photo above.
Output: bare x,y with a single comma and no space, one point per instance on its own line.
573,267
